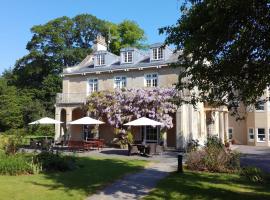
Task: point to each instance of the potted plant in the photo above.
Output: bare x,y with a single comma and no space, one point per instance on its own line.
227,144
233,141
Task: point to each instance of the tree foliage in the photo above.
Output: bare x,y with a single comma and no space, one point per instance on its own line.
28,90
17,108
225,47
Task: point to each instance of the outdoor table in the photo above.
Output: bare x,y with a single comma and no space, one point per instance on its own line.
92,144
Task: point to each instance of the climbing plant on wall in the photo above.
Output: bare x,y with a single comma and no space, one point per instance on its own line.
121,106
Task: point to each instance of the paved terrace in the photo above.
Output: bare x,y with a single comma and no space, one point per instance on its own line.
254,156
167,156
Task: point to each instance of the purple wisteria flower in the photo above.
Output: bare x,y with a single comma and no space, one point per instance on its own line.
121,106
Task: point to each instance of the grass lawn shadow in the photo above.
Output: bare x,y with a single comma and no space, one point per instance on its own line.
91,175
206,186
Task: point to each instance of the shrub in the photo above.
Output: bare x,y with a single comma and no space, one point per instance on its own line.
22,163
234,160
193,145
123,137
10,143
253,174
213,157
17,164
38,130
17,132
214,142
194,160
55,162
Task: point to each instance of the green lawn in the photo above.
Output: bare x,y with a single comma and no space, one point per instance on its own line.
93,174
206,186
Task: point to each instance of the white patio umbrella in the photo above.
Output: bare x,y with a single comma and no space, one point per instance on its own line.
45,120
144,121
86,121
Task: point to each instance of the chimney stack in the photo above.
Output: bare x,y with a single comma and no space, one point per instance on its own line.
100,44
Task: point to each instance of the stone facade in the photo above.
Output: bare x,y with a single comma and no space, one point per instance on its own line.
255,128
189,122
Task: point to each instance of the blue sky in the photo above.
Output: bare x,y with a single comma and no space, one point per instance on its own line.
18,16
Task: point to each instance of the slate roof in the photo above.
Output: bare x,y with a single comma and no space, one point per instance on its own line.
87,65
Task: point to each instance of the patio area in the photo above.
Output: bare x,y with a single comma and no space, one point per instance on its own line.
110,152
166,156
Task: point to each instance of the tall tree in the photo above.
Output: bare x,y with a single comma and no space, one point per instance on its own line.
17,108
10,109
65,42
225,47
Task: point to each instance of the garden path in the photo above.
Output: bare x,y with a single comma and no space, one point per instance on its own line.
136,186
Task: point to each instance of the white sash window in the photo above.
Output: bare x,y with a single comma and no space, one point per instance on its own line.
120,82
151,80
93,85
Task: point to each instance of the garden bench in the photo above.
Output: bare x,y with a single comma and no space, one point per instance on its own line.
97,143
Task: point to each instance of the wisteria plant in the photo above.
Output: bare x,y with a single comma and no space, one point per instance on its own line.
121,106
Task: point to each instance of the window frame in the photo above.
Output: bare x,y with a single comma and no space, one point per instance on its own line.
100,59
157,53
260,110
153,76
126,55
257,138
90,87
121,82
253,133
230,128
147,129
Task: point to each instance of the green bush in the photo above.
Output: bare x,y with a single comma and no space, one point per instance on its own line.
10,143
17,164
214,142
193,145
253,174
17,132
22,163
123,138
41,130
55,162
213,157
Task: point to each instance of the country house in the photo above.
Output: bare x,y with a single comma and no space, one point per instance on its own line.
134,68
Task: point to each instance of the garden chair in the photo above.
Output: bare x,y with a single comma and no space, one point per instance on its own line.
46,144
33,143
159,149
151,149
132,149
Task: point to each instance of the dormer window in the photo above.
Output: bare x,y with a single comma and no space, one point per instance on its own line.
100,59
157,53
127,57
